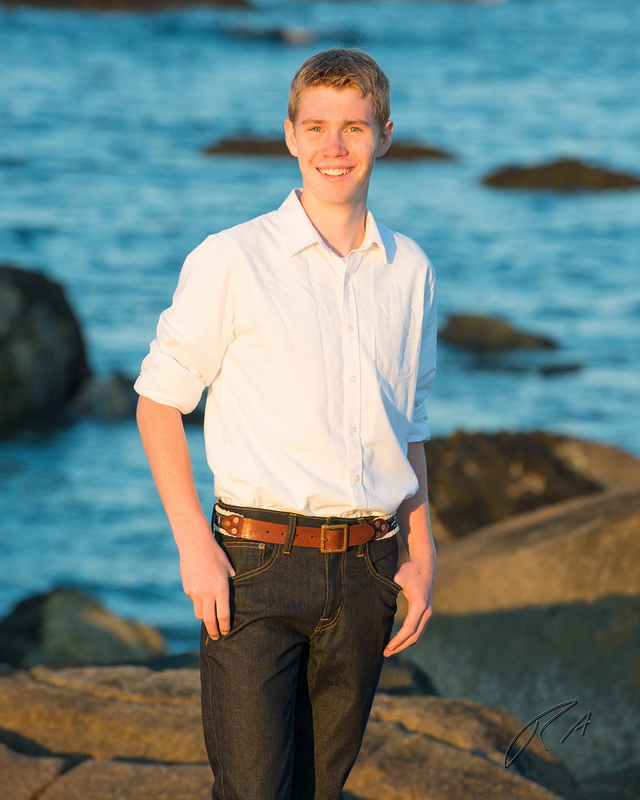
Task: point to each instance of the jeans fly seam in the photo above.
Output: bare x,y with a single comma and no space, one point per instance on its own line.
338,614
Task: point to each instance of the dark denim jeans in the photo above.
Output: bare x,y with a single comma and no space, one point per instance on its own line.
287,693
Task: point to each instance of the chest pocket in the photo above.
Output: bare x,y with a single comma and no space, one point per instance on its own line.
397,341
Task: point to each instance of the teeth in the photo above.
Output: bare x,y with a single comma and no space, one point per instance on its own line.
334,171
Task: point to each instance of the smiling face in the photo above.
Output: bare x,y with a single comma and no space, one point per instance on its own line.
336,140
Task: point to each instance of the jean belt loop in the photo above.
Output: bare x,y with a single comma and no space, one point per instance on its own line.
291,534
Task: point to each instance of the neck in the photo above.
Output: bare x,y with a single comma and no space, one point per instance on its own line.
341,227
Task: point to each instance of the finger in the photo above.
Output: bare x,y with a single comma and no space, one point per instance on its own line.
409,634
223,615
211,622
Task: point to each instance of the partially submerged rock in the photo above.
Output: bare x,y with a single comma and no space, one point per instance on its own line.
490,335
248,146
66,627
566,174
43,359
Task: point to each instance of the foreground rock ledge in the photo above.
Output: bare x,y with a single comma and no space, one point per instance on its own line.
97,733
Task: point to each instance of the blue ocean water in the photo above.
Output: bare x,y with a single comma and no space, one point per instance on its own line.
105,187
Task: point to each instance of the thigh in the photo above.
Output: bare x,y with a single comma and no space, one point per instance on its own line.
249,680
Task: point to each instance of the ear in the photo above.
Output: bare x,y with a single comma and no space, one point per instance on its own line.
290,137
384,141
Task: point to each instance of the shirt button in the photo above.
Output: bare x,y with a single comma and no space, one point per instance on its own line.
356,478
353,379
353,429
350,328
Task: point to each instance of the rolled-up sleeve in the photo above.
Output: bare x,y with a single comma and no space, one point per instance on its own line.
420,431
194,332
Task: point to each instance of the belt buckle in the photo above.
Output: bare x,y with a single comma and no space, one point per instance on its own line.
323,538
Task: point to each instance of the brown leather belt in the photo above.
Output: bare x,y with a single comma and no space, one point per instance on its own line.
330,538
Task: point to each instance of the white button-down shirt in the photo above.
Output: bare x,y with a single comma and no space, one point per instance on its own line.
317,366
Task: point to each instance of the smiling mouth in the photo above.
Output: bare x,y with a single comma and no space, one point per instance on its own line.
335,172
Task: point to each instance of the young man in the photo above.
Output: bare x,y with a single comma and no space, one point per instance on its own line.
314,330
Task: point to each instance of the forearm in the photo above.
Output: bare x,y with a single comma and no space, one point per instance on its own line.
165,444
204,567
416,575
413,514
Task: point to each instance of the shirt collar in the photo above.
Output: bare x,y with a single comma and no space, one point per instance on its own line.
300,233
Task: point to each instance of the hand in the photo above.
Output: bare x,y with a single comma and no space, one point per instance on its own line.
205,571
417,586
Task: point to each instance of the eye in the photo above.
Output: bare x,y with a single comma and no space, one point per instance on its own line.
315,128
354,129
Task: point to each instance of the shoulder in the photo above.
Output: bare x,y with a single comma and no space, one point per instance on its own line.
228,245
402,249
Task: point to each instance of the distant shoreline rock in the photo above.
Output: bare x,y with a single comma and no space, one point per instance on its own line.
125,5
249,146
565,175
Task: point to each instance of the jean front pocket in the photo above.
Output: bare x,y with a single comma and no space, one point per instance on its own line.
247,557
381,558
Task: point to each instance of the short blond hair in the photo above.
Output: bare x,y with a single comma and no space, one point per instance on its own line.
342,69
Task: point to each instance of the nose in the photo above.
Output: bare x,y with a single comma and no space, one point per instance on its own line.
334,145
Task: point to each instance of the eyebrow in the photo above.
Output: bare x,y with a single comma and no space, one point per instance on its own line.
363,123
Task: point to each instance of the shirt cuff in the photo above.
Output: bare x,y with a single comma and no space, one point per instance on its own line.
167,382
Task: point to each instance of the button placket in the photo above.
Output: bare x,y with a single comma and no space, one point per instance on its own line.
352,376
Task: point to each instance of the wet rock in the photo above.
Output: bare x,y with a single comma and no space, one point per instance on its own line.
247,146
66,627
479,478
43,359
490,335
563,175
541,609
106,397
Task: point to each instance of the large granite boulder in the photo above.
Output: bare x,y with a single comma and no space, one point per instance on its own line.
479,478
566,174
544,608
483,334
43,359
129,731
66,627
